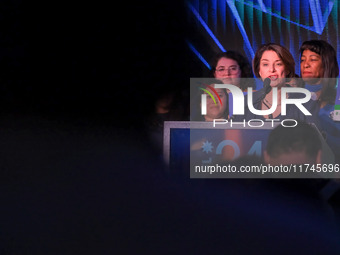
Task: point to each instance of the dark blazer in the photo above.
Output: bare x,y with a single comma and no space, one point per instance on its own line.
292,111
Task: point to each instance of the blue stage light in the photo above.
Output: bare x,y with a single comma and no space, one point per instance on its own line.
197,15
193,49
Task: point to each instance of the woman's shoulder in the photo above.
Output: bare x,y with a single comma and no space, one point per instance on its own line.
296,95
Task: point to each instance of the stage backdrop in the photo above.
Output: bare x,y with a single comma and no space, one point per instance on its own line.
243,25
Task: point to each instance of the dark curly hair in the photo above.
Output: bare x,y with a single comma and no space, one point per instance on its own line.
245,67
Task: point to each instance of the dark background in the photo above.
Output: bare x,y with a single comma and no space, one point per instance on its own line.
94,61
77,82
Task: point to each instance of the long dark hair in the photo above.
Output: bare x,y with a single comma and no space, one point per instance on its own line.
329,64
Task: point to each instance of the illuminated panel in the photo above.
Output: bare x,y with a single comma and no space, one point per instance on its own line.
319,19
249,49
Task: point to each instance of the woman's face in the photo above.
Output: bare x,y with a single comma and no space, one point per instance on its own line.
228,71
272,67
218,110
311,67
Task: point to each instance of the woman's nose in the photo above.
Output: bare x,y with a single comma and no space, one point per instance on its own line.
228,72
306,63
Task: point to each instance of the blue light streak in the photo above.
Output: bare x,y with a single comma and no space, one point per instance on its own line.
262,6
197,15
193,49
319,20
241,28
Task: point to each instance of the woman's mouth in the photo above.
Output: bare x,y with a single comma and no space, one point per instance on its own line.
273,77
